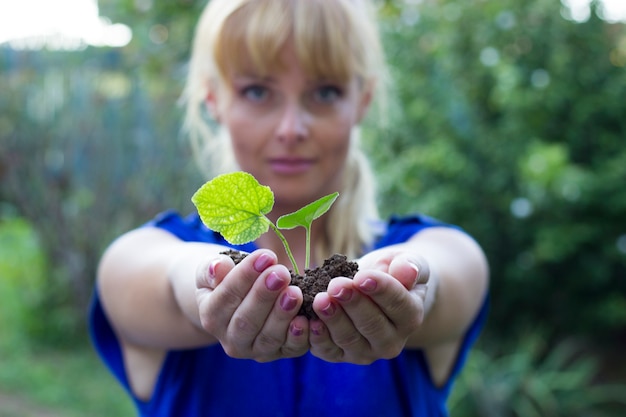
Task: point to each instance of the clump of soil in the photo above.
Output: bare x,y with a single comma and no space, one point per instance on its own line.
314,280
235,255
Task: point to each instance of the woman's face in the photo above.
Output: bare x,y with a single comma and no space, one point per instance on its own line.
291,132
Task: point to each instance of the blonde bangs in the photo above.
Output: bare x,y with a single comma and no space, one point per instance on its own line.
323,40
253,36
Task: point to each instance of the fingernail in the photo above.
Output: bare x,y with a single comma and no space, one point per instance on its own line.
288,302
262,262
344,294
296,330
368,285
329,310
417,271
317,328
213,268
273,282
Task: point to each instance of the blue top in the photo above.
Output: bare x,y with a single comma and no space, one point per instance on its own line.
206,382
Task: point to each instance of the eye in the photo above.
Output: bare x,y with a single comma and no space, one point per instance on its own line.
327,94
255,93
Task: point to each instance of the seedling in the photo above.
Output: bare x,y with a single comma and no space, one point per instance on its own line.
235,205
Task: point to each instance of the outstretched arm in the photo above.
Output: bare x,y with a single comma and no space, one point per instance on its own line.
162,293
146,281
420,294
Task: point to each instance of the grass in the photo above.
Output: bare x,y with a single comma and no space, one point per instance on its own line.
64,383
37,380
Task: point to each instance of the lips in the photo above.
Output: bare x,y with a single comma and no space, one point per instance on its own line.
291,165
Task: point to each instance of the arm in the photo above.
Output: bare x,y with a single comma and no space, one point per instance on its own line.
459,268
146,280
161,293
423,293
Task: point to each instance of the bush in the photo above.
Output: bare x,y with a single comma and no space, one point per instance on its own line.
88,150
534,378
509,122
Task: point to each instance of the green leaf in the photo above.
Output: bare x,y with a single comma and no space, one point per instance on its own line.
305,216
235,205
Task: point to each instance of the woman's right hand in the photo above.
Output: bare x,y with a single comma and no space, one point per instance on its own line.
251,308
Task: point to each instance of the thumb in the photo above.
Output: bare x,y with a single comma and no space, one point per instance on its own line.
210,273
410,271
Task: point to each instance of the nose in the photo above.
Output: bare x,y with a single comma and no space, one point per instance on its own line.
293,123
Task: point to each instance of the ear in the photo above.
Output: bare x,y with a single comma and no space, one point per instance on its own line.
212,105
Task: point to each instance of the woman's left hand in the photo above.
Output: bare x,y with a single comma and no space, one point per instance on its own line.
371,316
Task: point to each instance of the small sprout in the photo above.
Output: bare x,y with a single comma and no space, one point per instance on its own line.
235,205
305,216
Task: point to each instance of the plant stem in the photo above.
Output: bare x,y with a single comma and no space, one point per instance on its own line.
307,259
287,249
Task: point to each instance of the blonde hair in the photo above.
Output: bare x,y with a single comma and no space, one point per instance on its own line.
334,39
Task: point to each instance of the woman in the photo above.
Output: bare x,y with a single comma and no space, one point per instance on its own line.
277,88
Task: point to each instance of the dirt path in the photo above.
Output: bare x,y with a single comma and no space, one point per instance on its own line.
14,406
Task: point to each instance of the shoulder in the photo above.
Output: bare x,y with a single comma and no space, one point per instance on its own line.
189,228
399,229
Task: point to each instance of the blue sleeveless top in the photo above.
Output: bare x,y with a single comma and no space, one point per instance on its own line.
206,382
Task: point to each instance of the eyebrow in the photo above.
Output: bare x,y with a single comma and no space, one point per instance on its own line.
254,77
272,80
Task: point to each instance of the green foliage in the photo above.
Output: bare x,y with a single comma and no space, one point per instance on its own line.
304,218
59,383
29,372
89,148
509,121
235,206
534,379
162,31
22,269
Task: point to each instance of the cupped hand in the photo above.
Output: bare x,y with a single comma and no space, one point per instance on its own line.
371,316
251,308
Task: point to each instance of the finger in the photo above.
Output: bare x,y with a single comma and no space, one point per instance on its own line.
281,334
322,345
210,273
366,316
396,303
340,327
410,270
254,308
297,343
234,287
238,281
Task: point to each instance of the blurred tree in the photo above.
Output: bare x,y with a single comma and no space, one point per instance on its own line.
162,31
88,150
510,121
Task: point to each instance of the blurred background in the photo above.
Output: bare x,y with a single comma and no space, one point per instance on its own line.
506,117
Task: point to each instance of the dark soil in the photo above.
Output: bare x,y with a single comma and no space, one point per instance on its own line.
314,280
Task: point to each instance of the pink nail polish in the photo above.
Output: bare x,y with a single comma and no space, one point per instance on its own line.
213,268
329,310
295,330
273,282
287,302
262,262
417,272
368,285
317,329
344,294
